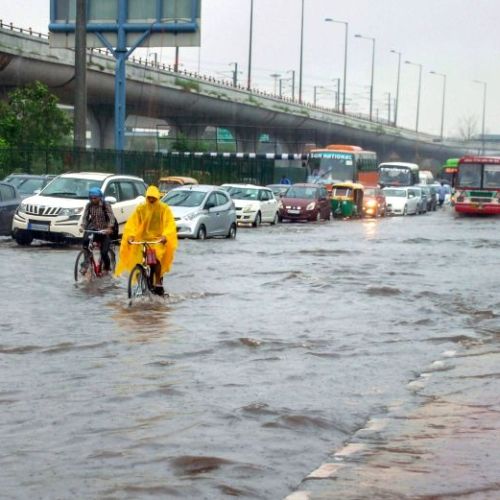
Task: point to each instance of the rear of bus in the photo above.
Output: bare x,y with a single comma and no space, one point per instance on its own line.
478,185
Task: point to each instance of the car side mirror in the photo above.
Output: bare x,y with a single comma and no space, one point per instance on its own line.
110,199
210,205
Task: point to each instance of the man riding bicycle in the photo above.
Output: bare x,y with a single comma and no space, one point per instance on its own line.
151,221
98,216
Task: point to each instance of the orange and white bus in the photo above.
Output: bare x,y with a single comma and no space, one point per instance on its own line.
478,185
342,163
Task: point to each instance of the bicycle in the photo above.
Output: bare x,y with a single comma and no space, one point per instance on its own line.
140,280
88,261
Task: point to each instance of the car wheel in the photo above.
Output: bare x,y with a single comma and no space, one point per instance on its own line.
275,220
257,221
405,210
232,232
202,233
23,238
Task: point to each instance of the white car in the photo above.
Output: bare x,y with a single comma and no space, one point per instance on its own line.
202,211
55,213
254,204
402,200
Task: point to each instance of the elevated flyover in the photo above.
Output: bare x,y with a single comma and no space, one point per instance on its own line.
190,103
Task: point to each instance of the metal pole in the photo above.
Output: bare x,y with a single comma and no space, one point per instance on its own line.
301,52
389,107
484,117
80,112
396,105
373,73
176,62
418,97
249,80
293,83
346,25
442,107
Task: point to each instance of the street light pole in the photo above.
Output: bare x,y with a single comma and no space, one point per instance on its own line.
275,76
484,112
249,80
235,74
396,106
373,70
444,99
419,87
346,24
292,71
301,52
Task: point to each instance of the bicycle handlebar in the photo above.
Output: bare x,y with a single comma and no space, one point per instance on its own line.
144,242
101,231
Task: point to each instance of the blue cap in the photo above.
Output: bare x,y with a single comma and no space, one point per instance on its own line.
95,192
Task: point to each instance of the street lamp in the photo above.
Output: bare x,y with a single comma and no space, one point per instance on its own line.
484,111
337,98
235,73
301,52
373,69
346,24
275,76
249,80
444,99
419,87
396,106
292,71
316,87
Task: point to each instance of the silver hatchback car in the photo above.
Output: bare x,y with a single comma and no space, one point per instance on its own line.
202,211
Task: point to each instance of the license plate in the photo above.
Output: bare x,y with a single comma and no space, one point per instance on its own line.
294,211
39,226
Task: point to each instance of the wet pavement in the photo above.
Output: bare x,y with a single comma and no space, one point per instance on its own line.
355,351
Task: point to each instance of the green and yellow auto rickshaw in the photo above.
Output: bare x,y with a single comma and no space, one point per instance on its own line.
347,200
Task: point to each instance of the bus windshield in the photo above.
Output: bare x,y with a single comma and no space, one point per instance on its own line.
395,176
492,176
331,167
469,175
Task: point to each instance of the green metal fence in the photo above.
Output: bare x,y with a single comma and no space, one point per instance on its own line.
207,168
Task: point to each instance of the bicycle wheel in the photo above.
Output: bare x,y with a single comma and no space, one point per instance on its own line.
83,271
112,260
137,283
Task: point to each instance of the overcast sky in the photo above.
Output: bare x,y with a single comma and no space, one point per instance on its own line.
459,38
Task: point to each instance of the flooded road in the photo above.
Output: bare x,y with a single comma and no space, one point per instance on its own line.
272,352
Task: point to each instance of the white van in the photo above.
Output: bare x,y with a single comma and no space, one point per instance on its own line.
55,213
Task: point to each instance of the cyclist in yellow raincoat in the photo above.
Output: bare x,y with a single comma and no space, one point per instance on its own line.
151,221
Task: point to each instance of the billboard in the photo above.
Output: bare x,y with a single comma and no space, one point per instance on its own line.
170,23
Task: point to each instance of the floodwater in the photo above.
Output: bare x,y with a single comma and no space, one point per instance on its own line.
272,352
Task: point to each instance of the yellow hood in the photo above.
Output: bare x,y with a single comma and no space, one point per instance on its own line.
154,192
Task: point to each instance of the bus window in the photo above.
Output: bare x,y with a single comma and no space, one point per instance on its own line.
492,176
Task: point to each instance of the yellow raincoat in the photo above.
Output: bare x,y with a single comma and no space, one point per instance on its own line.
149,222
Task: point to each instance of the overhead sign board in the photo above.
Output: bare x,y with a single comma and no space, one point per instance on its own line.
170,23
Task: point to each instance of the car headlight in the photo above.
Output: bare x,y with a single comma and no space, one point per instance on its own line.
68,212
191,216
371,203
21,209
311,206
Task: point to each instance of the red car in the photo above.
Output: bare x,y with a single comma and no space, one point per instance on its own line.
305,202
373,202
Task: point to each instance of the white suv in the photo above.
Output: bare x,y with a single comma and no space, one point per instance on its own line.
55,213
254,204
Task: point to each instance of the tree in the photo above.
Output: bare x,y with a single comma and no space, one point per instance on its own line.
30,118
467,128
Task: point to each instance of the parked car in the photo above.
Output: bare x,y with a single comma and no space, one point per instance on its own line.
9,201
430,195
402,200
28,184
165,184
202,211
374,203
55,213
305,201
254,204
278,189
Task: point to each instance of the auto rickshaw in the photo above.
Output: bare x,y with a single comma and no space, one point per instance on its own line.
347,199
165,184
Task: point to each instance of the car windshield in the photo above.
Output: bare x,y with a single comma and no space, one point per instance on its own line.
30,185
70,187
398,193
14,180
369,192
301,192
241,193
184,198
469,175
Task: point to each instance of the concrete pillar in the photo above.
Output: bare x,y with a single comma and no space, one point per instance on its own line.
101,121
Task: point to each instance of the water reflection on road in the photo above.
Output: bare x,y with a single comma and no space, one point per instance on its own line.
272,351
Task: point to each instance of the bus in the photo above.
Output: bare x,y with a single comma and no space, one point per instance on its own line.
478,185
342,163
397,173
448,172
